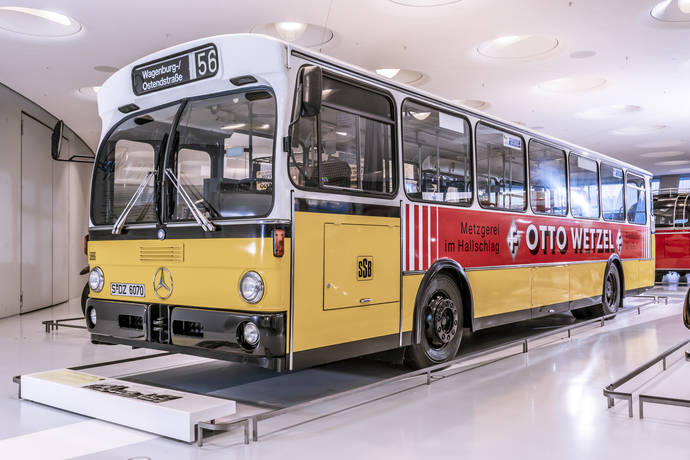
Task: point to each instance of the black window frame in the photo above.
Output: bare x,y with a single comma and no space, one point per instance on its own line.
601,195
571,153
646,204
395,154
567,178
471,153
524,156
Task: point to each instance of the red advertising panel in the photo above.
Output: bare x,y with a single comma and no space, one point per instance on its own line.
484,238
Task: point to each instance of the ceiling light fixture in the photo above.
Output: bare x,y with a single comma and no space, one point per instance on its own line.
421,116
637,130
37,22
608,111
88,92
671,11
572,84
299,33
388,73
517,46
473,103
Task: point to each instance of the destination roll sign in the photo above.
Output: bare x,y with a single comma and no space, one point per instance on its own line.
178,69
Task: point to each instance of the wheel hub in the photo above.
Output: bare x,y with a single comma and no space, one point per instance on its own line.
443,320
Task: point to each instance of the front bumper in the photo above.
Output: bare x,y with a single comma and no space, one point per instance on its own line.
196,331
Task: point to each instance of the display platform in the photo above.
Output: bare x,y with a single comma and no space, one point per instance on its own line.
170,413
200,396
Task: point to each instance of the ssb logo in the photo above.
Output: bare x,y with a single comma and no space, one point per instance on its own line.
365,268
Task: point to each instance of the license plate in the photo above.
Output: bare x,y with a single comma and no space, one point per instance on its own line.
127,289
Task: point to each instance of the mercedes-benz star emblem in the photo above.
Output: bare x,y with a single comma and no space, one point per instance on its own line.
162,283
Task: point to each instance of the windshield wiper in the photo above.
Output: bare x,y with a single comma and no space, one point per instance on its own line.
120,222
196,213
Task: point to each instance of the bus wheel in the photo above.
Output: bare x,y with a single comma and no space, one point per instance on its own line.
439,319
610,297
84,298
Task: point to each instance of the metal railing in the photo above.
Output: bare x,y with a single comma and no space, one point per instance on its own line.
611,393
53,324
429,374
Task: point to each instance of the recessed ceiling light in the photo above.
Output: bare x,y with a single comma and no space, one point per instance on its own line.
662,154
105,68
424,3
572,84
473,103
388,73
299,33
407,76
672,11
88,92
582,54
636,130
37,22
608,111
673,162
517,46
421,116
660,145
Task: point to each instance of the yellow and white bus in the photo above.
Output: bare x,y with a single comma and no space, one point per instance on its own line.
257,202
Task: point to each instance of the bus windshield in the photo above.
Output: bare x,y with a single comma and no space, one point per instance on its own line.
223,157
124,160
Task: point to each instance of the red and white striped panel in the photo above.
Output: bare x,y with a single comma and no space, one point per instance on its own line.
420,235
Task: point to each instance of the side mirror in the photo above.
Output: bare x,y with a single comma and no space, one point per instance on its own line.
312,83
56,140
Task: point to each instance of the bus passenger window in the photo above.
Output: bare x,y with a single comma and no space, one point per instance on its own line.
436,152
635,199
355,144
548,194
584,187
500,169
612,207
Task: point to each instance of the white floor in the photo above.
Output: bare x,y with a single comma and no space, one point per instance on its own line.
544,404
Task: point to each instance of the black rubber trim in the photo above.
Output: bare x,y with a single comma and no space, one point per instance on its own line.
344,207
316,356
193,232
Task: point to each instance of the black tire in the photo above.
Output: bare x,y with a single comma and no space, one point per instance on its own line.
611,297
439,320
84,298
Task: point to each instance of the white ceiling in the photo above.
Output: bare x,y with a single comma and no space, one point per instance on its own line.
645,62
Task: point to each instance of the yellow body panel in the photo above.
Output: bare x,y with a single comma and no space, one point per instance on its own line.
315,326
550,285
410,287
631,270
360,265
586,280
646,273
207,275
501,290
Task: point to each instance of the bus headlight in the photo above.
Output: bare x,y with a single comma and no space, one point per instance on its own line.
251,287
250,334
96,279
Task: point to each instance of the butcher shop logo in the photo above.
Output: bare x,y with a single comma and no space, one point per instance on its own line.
513,239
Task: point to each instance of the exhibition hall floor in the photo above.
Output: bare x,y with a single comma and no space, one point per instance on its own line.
544,404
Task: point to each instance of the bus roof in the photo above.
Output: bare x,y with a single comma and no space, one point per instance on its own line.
117,90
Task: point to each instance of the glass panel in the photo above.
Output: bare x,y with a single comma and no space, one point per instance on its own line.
684,184
655,183
224,157
123,162
584,187
356,152
340,94
437,158
500,169
635,199
548,193
664,211
612,193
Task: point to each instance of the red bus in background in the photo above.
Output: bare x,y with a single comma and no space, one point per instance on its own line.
672,218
